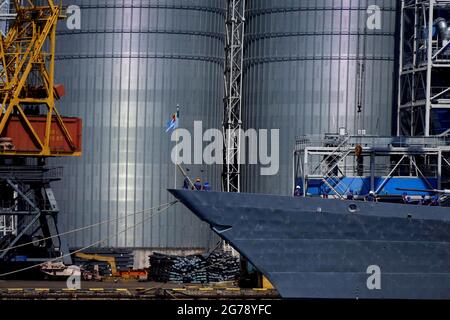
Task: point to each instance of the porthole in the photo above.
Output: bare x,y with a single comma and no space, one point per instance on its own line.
353,208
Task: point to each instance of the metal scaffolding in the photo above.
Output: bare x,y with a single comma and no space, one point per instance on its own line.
332,159
424,83
8,226
6,14
28,198
232,123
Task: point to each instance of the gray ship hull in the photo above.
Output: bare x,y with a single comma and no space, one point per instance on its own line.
324,248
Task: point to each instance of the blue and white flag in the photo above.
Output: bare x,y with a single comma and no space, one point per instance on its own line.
172,124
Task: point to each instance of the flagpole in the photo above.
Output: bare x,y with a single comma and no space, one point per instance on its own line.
176,157
176,146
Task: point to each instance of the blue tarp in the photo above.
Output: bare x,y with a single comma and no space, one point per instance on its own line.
361,185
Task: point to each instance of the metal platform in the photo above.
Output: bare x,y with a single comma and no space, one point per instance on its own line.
333,158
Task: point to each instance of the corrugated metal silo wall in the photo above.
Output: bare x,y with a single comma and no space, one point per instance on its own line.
124,73
301,67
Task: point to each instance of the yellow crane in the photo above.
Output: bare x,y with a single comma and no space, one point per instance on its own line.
31,128
27,67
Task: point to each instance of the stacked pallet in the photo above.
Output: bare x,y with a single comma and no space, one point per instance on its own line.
178,269
222,266
217,267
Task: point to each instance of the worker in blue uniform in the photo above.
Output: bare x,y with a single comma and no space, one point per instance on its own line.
371,197
434,201
404,197
206,186
350,195
298,191
198,184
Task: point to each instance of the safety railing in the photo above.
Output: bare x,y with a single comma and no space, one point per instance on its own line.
373,142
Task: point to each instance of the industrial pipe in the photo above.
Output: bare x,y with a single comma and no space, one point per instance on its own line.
443,28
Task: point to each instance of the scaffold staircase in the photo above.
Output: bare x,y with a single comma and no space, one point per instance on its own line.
330,167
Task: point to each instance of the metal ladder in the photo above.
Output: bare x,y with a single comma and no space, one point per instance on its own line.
332,180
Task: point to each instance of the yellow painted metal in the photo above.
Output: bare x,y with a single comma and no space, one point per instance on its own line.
27,61
266,283
39,154
206,289
95,257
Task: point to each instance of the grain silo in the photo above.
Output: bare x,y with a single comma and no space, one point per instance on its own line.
125,71
313,67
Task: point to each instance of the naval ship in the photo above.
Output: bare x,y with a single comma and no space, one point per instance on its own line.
323,248
331,247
